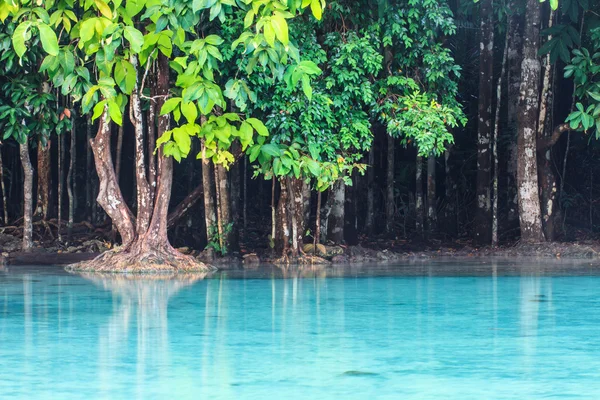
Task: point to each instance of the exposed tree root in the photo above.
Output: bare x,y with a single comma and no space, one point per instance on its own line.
142,259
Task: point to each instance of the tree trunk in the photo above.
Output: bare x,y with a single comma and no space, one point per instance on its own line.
431,196
70,183
318,221
335,222
151,122
297,207
224,208
527,174
369,218
185,205
210,217
4,201
450,222
514,59
43,179
27,197
548,184
389,198
283,219
90,204
419,204
110,197
119,152
483,214
61,179
495,142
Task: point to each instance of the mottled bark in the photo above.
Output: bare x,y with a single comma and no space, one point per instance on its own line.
335,221
43,179
210,217
110,197
419,204
483,214
144,201
224,207
27,196
514,58
119,152
151,122
431,195
282,216
90,204
527,173
318,221
495,142
389,192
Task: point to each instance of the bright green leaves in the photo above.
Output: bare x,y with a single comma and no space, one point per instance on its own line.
238,91
125,76
23,33
584,118
189,111
316,6
48,39
134,37
260,128
104,8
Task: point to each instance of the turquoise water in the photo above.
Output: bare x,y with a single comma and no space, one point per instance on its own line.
407,332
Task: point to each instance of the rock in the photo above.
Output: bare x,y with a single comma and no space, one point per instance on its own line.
207,256
184,250
251,260
339,259
9,243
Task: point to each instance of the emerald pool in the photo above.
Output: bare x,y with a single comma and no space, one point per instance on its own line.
424,331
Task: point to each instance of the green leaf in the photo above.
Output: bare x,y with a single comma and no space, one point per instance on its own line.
306,88
98,110
257,124
280,27
315,6
183,140
190,111
20,36
125,76
313,167
554,4
48,39
134,37
104,8
170,105
271,150
115,113
269,33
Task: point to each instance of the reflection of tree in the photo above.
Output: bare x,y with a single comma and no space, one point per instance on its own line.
141,301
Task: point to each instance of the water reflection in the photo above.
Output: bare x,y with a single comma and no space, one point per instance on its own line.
140,302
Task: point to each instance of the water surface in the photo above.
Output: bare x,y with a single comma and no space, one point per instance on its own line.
423,331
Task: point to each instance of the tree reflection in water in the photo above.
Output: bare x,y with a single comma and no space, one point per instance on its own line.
140,302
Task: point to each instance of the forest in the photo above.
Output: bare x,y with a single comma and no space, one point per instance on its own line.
166,133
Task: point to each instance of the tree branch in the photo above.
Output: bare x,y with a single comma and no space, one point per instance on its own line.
549,141
185,205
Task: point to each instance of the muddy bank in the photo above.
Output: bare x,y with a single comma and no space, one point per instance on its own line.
376,253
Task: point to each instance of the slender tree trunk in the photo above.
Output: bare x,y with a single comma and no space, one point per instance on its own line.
4,201
70,182
335,222
389,198
273,213
318,221
527,174
245,204
151,122
515,46
43,179
144,201
119,153
431,195
297,203
61,179
495,142
223,207
27,197
369,218
90,204
483,215
450,195
419,204
283,218
548,187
